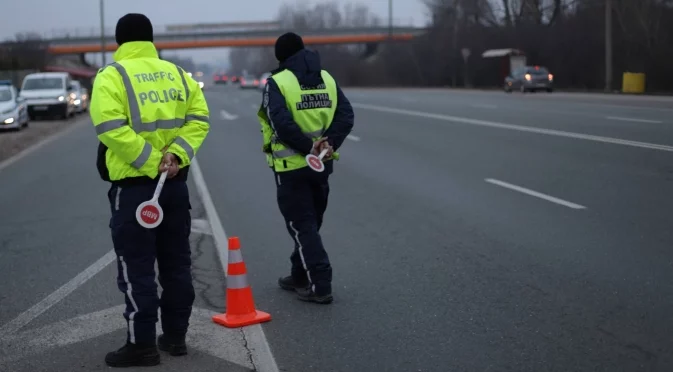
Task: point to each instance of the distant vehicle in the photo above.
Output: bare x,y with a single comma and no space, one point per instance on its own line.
47,94
249,82
220,78
80,96
13,109
530,79
263,79
198,77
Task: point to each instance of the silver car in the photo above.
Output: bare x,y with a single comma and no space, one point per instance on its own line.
79,94
249,82
263,79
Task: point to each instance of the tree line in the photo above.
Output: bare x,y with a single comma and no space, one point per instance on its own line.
25,51
566,36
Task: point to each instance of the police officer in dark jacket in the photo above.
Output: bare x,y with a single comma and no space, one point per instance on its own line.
303,111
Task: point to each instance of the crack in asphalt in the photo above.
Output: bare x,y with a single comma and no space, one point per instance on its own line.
201,275
205,278
247,350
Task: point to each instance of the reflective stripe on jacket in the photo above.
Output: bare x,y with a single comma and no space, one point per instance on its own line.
141,105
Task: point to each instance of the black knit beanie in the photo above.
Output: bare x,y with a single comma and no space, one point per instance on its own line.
134,27
288,45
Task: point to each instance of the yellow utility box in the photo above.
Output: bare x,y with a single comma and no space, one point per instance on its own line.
633,83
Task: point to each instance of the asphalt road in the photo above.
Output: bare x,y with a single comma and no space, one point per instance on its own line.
469,231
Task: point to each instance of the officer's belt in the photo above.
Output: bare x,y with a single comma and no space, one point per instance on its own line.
288,151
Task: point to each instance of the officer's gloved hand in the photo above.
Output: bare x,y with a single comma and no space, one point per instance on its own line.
329,148
318,146
169,163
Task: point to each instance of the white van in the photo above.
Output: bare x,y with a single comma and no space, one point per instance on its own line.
49,94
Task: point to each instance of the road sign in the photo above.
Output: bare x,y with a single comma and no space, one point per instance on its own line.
149,214
315,162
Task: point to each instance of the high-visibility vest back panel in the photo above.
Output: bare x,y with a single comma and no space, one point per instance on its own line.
156,95
312,108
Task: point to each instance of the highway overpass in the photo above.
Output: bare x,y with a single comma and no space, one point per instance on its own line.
214,39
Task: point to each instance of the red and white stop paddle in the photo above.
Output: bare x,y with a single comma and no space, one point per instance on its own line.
149,214
315,162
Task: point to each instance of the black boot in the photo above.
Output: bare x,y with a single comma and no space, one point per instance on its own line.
132,355
175,346
289,283
308,295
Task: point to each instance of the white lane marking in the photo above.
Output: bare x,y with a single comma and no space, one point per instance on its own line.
484,106
200,226
227,116
535,193
634,120
220,342
353,138
54,298
520,128
219,236
257,343
37,146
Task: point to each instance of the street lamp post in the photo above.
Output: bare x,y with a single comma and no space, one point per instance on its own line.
102,31
390,19
608,45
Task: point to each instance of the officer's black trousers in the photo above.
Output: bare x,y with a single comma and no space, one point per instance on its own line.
137,250
302,198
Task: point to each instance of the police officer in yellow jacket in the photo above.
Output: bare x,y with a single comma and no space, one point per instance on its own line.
303,111
150,116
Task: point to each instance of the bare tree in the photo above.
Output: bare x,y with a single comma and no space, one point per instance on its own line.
27,52
567,36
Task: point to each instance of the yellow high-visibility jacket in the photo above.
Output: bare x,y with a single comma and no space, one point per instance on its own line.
141,105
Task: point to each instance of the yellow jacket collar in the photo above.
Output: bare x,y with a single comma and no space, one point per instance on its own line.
135,49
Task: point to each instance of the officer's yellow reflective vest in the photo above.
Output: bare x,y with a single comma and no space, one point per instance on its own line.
141,105
312,108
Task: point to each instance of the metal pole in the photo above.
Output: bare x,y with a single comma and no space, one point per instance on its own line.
102,31
390,18
608,45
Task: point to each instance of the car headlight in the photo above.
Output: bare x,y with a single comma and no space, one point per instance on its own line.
61,98
9,121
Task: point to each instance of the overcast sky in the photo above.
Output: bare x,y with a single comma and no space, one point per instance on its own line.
82,16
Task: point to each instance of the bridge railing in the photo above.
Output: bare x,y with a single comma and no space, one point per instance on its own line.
93,31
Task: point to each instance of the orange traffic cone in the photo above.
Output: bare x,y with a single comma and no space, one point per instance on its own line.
240,309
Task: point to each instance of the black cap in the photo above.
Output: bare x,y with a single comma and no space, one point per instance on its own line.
288,45
134,27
